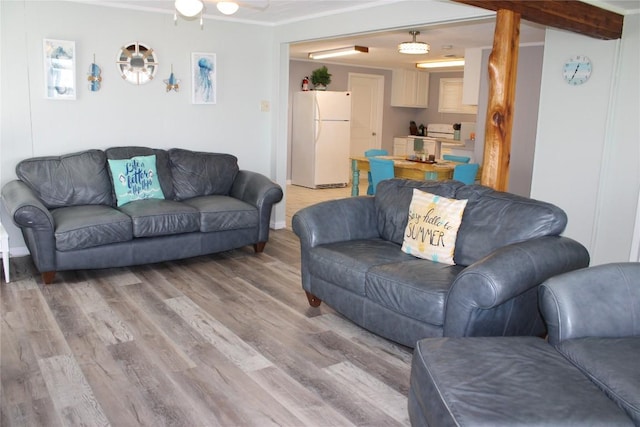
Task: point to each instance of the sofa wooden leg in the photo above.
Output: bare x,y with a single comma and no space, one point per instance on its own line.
259,247
47,277
314,301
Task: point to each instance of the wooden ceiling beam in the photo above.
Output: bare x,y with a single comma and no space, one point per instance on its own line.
571,15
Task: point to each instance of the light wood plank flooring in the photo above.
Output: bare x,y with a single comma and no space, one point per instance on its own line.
221,340
299,197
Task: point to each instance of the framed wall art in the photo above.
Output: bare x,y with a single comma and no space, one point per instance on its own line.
203,78
59,69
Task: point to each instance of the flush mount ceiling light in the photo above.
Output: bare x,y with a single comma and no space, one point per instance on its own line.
227,7
440,64
331,53
413,47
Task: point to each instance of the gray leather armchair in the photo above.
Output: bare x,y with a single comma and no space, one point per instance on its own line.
593,319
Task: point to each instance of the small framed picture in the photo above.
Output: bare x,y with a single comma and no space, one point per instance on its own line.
203,78
59,69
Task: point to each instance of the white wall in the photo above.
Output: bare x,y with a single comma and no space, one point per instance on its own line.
586,158
122,113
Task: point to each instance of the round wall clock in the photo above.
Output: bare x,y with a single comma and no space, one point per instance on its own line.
137,63
577,70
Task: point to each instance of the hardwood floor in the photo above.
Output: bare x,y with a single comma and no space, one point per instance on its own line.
221,340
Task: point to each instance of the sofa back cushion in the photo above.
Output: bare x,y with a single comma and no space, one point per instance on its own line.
162,164
493,219
393,198
201,174
70,180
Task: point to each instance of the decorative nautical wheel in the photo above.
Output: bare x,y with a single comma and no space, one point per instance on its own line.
137,63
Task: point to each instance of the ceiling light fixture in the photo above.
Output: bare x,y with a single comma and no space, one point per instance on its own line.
227,7
331,53
439,64
413,47
189,8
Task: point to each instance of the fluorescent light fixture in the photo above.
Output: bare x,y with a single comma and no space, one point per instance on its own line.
331,53
227,7
439,64
189,8
413,47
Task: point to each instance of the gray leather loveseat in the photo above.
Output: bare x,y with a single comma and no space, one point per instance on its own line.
586,374
506,246
67,210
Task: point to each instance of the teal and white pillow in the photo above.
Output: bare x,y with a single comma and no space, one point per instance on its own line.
135,179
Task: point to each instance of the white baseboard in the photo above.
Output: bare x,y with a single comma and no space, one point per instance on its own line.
19,251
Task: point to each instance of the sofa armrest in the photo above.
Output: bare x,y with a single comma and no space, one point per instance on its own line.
35,221
498,294
259,191
601,301
351,218
24,207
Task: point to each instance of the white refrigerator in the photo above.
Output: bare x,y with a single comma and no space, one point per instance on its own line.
320,139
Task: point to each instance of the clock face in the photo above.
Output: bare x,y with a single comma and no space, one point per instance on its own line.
577,70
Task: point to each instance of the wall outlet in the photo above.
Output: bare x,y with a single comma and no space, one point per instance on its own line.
264,106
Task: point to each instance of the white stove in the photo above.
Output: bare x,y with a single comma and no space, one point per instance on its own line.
440,131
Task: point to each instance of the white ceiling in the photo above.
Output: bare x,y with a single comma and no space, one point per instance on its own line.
382,45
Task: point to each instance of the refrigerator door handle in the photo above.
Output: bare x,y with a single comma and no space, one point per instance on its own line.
318,119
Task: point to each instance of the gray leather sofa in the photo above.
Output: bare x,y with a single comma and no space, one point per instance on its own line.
506,246
587,374
67,211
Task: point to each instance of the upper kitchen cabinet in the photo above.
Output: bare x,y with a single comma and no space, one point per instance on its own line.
472,71
450,99
409,88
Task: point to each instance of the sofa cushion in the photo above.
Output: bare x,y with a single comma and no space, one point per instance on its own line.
135,178
70,180
347,263
414,288
219,213
503,381
393,198
613,364
198,174
494,219
154,217
80,227
162,164
432,227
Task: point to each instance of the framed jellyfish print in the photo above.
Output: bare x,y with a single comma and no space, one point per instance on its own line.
203,78
59,69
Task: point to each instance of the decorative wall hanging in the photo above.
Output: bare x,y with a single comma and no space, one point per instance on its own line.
172,83
203,78
137,63
59,69
94,77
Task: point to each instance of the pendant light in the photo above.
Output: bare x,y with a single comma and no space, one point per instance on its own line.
414,47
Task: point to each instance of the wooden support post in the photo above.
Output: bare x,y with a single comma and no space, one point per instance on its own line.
503,64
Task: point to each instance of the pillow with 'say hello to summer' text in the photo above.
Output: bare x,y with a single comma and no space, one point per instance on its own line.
135,179
433,226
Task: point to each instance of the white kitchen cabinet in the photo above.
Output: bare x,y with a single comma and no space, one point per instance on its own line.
471,79
450,99
409,88
400,146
